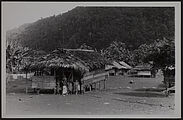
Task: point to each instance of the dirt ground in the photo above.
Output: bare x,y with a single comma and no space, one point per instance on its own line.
144,96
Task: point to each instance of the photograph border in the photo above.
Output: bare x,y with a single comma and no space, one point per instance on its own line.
177,6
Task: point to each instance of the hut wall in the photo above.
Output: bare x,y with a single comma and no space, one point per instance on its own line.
144,73
43,82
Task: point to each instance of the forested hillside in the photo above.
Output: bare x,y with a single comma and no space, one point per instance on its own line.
98,27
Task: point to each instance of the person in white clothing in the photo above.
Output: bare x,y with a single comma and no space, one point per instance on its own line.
77,86
64,90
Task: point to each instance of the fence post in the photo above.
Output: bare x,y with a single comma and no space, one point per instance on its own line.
26,89
104,84
99,85
90,87
95,86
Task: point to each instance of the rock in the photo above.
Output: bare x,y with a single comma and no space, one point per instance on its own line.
128,87
106,103
20,100
131,81
161,105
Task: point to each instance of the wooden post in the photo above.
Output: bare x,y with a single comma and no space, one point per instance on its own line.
26,89
80,87
99,85
38,90
90,87
55,89
104,84
72,80
83,89
95,86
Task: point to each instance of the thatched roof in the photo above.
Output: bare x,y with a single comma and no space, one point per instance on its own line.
83,60
93,60
56,59
30,57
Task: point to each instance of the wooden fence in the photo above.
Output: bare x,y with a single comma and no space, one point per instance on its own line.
95,79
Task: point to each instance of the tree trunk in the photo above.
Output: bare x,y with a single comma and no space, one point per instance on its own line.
26,89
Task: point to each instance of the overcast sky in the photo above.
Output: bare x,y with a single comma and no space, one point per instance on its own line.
16,14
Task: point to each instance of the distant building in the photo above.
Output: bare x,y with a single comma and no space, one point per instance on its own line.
125,65
126,69
110,69
117,68
142,71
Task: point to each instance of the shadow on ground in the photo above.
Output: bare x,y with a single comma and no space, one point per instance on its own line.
150,89
141,94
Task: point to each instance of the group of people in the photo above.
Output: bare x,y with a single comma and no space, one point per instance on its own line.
65,87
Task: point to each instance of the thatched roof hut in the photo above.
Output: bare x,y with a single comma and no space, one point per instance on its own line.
67,63
83,60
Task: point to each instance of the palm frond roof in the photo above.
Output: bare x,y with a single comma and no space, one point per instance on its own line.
84,60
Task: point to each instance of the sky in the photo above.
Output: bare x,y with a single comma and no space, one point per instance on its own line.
16,14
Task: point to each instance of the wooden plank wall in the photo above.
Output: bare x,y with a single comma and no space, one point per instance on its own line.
95,78
43,82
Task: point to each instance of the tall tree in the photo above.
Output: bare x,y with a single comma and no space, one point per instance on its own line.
118,51
162,53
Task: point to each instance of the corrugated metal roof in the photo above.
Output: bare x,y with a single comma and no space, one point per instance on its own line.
117,65
125,65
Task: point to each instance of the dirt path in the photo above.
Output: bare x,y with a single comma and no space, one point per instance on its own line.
120,98
98,103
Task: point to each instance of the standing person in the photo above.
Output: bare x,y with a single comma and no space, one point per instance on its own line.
77,86
82,88
74,87
64,91
57,84
57,88
69,88
60,86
